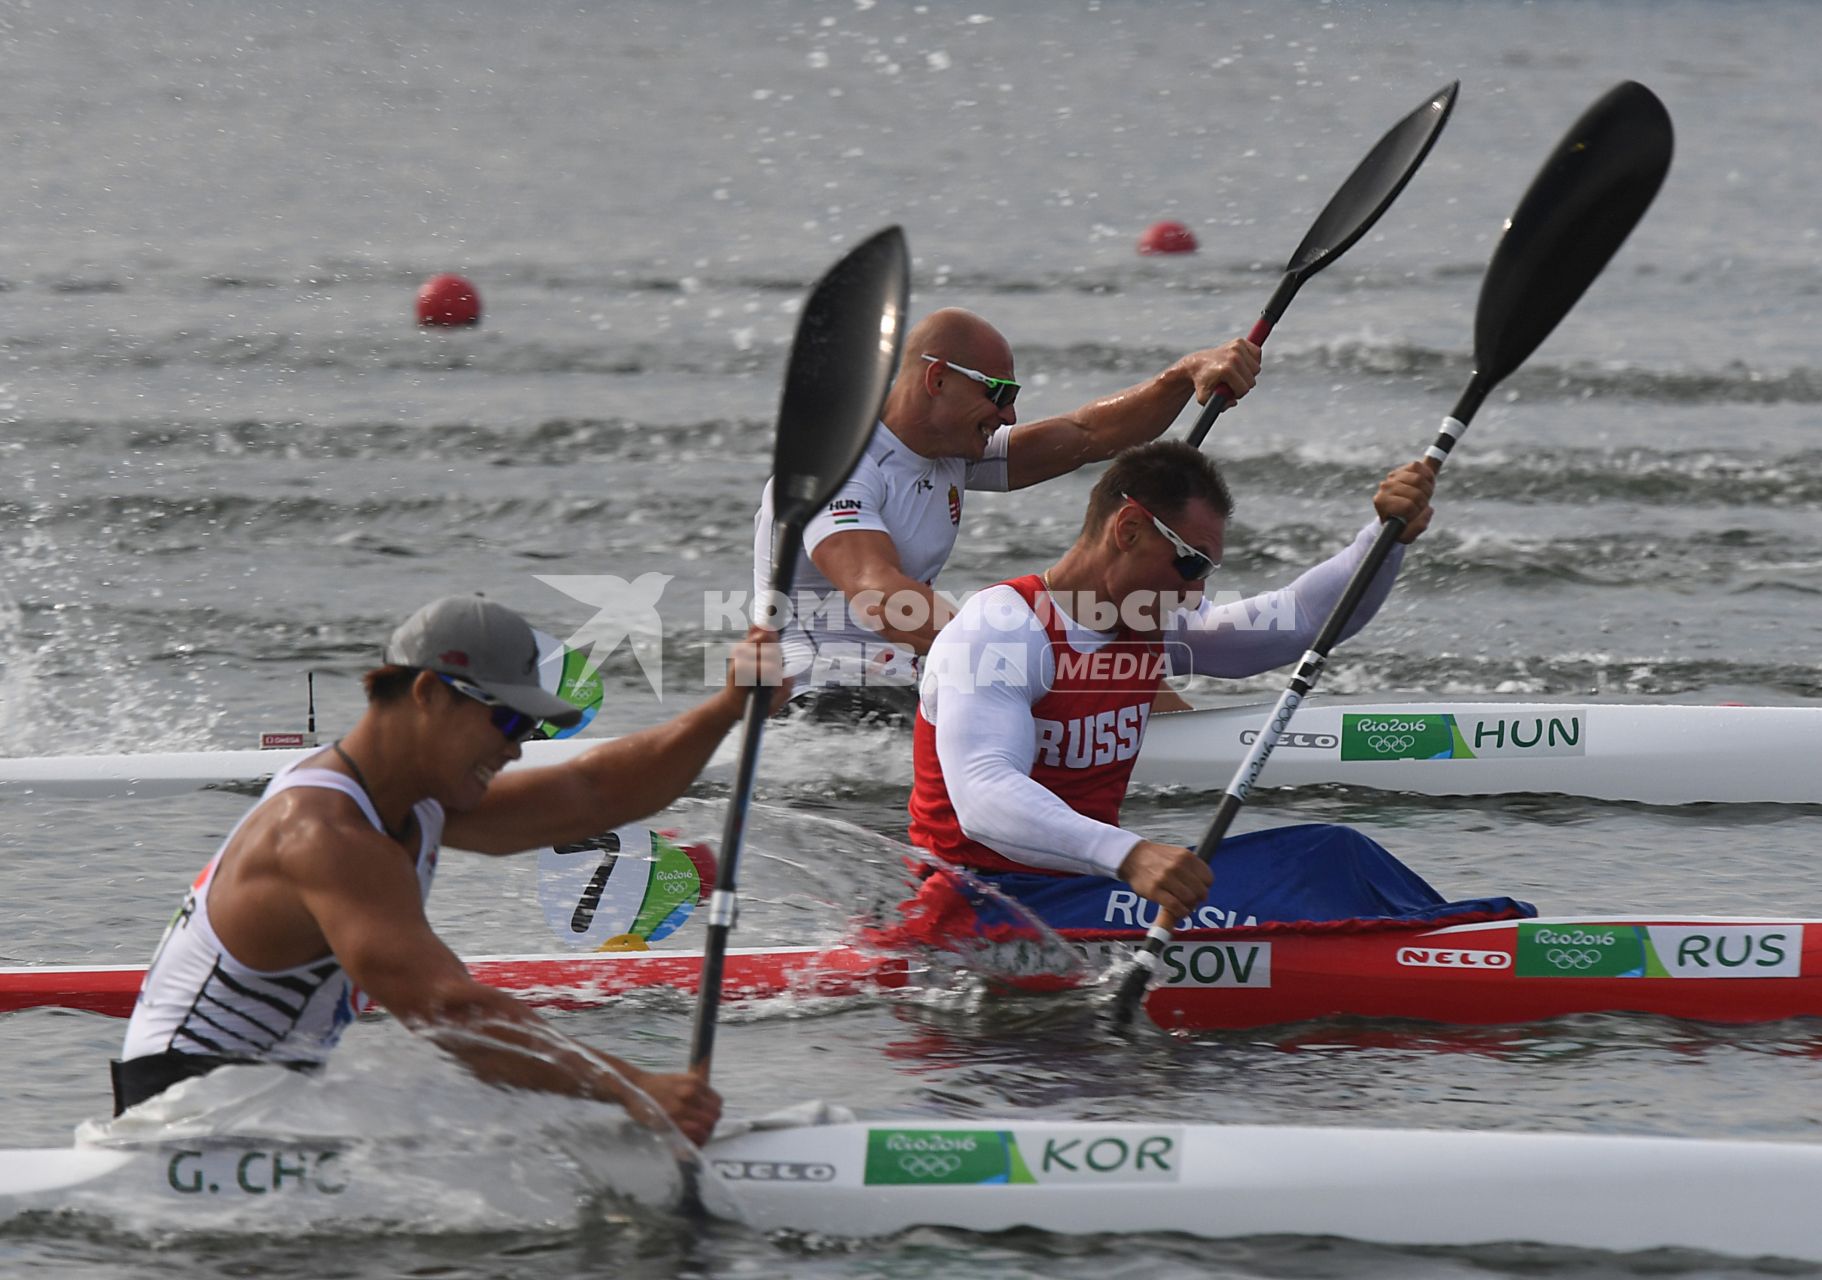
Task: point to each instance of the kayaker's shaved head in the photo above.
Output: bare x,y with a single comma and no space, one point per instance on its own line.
941,413
961,336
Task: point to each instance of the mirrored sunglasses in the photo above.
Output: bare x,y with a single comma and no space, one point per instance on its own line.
1002,391
514,726
1191,565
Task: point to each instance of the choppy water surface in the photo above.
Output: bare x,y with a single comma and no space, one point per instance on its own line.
231,460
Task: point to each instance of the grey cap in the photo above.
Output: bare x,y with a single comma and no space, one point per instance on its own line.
486,644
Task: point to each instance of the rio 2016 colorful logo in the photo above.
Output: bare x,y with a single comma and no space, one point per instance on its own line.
1522,732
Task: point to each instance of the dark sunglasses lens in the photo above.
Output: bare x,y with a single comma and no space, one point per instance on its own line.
514,725
1191,568
1003,393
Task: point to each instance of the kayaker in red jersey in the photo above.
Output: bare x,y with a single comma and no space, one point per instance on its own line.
870,558
1035,699
313,908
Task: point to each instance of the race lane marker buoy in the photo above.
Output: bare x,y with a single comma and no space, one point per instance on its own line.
448,300
1167,237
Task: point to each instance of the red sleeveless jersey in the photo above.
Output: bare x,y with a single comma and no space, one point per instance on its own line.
1089,726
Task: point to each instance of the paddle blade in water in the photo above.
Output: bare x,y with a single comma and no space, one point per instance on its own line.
1589,195
842,361
1375,183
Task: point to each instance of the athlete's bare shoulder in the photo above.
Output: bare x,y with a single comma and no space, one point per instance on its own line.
295,845
308,834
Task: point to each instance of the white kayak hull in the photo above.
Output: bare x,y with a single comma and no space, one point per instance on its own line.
1647,753
1396,1187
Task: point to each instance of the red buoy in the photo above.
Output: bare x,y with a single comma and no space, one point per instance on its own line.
1167,237
448,300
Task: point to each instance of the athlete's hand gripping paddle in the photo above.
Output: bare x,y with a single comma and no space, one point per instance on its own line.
1368,192
1580,208
842,360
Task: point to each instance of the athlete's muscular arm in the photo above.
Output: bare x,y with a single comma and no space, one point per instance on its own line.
363,893
863,565
1039,451
621,780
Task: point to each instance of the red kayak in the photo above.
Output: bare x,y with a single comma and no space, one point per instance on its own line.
551,981
1703,969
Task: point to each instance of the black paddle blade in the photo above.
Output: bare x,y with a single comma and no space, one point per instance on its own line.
1581,206
842,361
1374,184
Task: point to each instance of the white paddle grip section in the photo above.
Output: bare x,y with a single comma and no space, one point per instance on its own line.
724,908
1261,751
1452,430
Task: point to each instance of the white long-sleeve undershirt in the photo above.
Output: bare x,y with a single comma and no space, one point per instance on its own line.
992,663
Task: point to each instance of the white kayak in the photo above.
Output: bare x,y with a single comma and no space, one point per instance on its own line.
1652,753
1389,1186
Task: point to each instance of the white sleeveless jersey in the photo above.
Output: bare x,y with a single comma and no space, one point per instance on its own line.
197,998
914,500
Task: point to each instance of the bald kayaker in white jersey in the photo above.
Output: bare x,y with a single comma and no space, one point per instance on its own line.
866,577
313,908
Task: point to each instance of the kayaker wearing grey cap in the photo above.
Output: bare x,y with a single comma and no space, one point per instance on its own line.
312,910
482,647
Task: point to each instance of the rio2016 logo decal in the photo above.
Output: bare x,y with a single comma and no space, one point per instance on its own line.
1521,732
1001,1157
621,890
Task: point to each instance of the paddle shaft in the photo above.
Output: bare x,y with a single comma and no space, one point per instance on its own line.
724,903
1262,329
1302,682
850,335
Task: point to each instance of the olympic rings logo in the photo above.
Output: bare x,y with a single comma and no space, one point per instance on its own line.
1572,958
929,1166
1386,745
